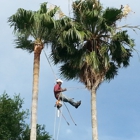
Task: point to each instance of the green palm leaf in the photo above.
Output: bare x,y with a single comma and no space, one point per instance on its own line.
24,43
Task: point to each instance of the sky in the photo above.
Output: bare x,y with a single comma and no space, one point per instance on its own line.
118,101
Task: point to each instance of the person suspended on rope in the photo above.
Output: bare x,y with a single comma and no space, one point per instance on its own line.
59,96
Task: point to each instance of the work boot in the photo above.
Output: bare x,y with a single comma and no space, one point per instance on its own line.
78,104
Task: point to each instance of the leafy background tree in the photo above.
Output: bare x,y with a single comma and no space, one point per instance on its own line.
41,133
13,119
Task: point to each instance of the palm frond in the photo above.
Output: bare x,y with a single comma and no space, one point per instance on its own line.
24,43
111,15
22,20
69,71
112,71
43,8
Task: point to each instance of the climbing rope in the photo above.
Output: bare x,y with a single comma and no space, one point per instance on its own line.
71,88
50,64
75,88
60,118
54,124
64,118
54,133
69,114
59,123
61,114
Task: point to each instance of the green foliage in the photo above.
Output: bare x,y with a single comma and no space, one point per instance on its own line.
41,133
34,25
12,120
12,117
24,43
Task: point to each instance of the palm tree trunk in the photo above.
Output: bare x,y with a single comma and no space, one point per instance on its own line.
94,115
36,66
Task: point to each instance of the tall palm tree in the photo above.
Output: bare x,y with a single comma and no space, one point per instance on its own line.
91,47
32,30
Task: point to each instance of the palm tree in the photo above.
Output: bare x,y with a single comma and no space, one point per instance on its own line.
91,47
31,28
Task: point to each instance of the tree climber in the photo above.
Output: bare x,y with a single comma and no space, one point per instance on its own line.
59,96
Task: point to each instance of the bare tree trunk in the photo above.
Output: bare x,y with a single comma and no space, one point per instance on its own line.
36,67
94,115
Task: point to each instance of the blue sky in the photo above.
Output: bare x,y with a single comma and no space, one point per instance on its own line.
118,102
